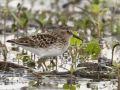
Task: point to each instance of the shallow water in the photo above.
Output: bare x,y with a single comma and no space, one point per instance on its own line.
18,79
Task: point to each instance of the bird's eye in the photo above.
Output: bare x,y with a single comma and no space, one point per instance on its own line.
68,31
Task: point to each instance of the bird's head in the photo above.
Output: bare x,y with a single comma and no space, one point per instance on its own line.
68,32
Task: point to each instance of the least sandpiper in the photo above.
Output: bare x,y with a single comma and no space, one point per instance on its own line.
51,43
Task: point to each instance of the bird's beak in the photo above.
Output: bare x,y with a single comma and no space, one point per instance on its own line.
77,37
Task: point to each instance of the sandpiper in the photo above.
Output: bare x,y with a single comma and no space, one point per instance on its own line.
47,44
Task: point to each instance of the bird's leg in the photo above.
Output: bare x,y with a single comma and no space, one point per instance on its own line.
55,64
41,62
45,65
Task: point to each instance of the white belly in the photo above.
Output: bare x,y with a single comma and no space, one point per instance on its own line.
45,52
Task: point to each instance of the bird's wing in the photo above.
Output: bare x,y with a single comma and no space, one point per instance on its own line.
36,41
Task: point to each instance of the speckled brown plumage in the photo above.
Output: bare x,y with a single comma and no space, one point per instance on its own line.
55,41
35,41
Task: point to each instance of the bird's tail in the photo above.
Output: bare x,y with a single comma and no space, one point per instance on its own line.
10,41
